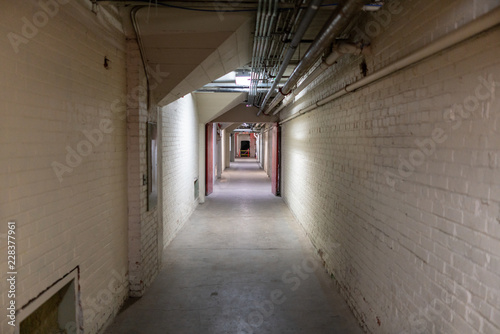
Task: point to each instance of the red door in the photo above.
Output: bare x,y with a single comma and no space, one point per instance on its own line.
236,147
275,170
252,145
209,158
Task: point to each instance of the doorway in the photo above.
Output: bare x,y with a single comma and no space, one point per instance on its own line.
245,148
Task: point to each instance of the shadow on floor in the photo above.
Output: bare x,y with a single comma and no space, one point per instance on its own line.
241,264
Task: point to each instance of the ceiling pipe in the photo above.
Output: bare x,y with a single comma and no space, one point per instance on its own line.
291,23
270,24
304,24
223,86
227,90
278,48
204,6
483,23
325,64
265,47
340,49
232,84
264,25
135,27
332,29
256,48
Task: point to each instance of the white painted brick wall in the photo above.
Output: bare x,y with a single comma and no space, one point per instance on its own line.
54,88
425,257
179,121
145,243
267,150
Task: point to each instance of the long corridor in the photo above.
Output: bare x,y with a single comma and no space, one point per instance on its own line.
241,264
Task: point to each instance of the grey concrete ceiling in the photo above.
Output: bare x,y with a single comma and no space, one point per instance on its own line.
195,48
241,114
213,105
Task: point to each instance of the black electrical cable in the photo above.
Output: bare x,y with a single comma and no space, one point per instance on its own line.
196,9
216,10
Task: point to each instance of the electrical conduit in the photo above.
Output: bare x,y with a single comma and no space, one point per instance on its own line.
467,31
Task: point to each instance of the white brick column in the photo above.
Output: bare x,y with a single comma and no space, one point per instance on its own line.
144,240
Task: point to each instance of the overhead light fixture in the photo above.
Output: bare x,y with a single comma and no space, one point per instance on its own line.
373,7
243,81
242,78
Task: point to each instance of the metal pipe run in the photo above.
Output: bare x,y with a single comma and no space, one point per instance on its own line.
340,50
266,16
332,29
463,33
227,90
301,30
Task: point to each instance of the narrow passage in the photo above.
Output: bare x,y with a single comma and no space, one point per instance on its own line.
241,264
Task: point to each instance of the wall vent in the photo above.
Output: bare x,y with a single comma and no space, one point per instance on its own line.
56,310
196,189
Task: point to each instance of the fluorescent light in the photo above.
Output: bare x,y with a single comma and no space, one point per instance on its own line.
373,7
242,80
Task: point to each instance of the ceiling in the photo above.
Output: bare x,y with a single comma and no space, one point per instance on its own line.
195,48
199,41
213,105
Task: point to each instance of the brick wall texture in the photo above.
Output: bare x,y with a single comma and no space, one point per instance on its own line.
398,184
179,150
63,158
145,242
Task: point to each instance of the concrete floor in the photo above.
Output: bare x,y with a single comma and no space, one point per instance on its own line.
241,264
